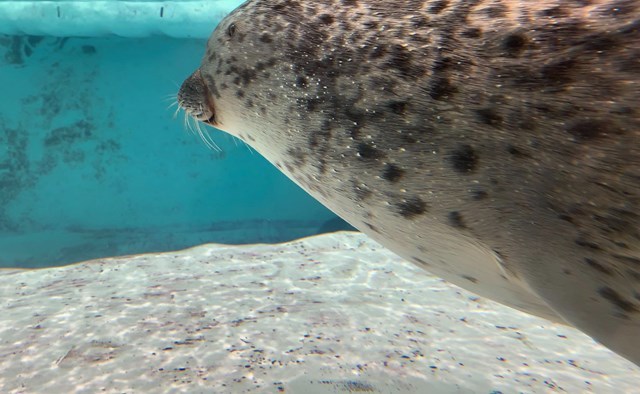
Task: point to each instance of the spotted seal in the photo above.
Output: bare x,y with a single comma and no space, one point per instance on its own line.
496,143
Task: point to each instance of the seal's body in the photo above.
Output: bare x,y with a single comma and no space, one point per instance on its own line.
494,143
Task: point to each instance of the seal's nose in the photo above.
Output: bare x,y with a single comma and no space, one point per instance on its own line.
195,99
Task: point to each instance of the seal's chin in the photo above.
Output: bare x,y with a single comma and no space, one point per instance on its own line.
194,97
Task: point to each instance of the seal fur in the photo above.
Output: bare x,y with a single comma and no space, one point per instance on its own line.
495,143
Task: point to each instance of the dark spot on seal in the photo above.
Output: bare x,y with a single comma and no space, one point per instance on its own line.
240,93
464,159
356,116
558,73
378,51
409,138
322,167
419,22
441,88
412,207
368,152
587,244
401,60
472,32
557,11
584,130
420,261
299,156
479,195
288,5
469,278
620,8
438,6
602,42
326,19
362,192
266,38
627,259
302,82
289,168
489,116
514,44
392,173
312,104
616,299
565,217
456,220
517,152
372,227
398,107
370,24
247,75
598,267
320,136
618,220
496,11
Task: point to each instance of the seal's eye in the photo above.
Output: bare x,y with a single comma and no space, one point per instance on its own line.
231,30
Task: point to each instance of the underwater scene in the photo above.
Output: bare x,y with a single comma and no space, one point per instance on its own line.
86,133
336,196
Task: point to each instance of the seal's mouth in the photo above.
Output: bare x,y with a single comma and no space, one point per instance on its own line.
196,100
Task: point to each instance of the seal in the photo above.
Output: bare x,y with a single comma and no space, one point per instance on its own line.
495,143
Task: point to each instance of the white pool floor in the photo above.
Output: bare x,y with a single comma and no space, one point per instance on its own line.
328,314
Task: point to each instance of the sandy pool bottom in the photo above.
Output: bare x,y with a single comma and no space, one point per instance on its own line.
328,314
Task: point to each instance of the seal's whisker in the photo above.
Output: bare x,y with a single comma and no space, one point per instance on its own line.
173,104
212,141
251,150
175,114
170,97
187,124
208,140
196,129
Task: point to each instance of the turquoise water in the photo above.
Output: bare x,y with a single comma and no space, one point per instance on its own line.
94,164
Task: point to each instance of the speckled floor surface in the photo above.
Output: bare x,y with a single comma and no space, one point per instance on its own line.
329,314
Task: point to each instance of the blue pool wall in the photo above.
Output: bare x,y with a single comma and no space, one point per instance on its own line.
94,164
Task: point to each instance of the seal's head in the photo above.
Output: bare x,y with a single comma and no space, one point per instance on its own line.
238,55
267,64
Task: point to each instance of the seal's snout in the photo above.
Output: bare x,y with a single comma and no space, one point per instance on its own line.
195,99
